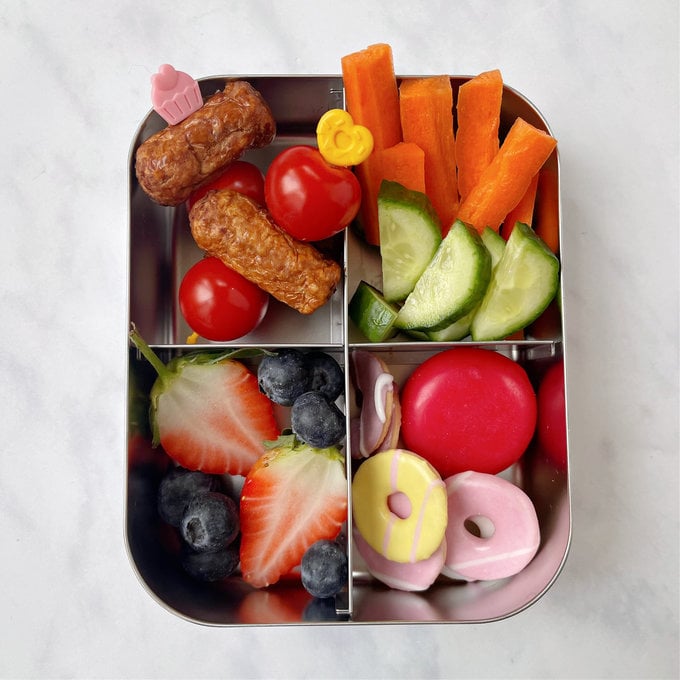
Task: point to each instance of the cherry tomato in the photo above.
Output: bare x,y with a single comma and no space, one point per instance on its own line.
240,176
551,426
218,303
468,409
308,197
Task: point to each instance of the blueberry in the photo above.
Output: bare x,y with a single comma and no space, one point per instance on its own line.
210,522
327,376
178,487
211,566
284,376
317,421
324,569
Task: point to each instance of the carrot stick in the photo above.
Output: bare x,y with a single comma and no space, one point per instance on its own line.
371,93
547,220
523,211
506,179
427,120
404,163
372,99
478,109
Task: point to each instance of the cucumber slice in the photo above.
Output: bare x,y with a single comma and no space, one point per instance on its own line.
456,331
460,329
410,233
495,244
417,335
522,286
371,313
451,285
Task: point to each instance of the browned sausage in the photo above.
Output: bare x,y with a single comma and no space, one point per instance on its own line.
176,161
233,228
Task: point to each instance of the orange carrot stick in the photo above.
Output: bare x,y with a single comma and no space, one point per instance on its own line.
523,211
478,109
506,179
427,120
404,163
547,219
371,93
372,99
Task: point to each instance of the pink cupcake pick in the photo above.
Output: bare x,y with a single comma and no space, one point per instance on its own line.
174,94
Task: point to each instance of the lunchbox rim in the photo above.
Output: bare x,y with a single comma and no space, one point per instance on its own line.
345,348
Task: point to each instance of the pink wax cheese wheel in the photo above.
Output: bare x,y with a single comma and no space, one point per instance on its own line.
174,94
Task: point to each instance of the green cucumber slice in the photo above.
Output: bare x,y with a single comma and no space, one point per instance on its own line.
456,331
410,233
451,285
521,287
460,329
495,244
371,313
416,334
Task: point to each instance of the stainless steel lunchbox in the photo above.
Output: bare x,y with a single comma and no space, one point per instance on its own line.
161,250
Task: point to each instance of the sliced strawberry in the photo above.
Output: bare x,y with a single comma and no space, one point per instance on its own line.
207,411
293,496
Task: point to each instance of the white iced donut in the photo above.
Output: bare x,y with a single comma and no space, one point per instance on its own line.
492,530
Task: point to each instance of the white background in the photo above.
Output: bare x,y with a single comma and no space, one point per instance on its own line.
74,84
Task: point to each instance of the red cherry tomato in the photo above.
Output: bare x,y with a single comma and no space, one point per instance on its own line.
468,409
240,176
551,426
308,197
218,303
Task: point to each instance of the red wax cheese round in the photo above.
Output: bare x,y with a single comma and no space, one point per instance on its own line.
468,409
551,425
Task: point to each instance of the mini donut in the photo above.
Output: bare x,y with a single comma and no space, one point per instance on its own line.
391,439
399,505
503,516
392,433
374,382
407,576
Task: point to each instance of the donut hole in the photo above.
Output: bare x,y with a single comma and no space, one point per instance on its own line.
399,504
480,526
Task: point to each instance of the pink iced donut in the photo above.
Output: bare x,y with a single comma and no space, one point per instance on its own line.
492,531
408,576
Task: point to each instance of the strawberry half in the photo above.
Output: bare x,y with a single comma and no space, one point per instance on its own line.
207,411
293,496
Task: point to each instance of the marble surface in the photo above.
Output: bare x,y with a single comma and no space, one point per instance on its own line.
75,83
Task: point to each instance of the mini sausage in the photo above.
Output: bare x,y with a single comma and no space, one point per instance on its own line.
179,159
233,228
